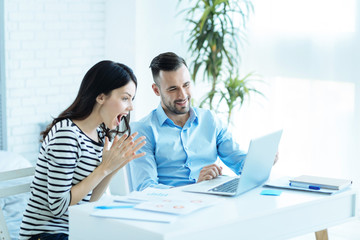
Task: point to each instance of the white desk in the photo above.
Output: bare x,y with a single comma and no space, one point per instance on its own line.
249,216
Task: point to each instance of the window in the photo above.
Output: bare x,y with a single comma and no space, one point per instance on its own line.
306,17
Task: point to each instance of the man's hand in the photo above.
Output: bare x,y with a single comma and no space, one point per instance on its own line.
209,172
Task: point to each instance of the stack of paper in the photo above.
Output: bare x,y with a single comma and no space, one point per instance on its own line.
179,207
156,205
283,182
133,214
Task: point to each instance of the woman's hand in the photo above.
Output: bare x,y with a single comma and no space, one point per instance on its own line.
122,151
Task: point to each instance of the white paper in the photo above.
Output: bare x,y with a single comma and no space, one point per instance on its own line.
156,205
180,207
150,194
126,199
134,214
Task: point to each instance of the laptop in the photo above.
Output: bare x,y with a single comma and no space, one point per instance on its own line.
256,170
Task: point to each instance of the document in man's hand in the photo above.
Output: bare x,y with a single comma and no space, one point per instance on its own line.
320,182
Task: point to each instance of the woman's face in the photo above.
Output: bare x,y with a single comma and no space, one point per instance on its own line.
117,105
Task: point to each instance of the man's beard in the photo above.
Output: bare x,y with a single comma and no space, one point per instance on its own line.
172,108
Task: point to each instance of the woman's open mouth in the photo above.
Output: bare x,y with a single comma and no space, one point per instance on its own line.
118,118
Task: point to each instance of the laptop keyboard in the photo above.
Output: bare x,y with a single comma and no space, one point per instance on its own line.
230,186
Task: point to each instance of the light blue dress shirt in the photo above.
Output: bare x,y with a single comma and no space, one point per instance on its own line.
175,155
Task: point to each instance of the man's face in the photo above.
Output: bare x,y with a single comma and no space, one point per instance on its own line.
174,90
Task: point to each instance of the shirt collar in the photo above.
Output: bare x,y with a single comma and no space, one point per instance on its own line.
162,117
193,116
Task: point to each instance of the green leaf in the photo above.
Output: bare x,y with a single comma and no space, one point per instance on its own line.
218,2
214,47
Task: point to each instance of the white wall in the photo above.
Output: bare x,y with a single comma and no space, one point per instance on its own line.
137,31
308,53
158,30
120,23
49,45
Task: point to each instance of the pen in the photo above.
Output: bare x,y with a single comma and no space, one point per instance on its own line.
114,207
301,185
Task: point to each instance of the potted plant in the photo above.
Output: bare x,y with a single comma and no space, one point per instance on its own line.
214,42
235,91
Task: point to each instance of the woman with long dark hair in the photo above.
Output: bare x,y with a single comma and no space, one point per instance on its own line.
76,162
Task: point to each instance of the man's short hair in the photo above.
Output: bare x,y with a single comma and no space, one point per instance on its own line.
168,61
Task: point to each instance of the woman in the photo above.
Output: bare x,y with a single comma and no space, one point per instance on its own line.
75,163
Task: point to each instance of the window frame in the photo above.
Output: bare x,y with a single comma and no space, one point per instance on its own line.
3,131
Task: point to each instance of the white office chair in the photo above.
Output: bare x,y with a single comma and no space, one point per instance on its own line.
121,182
16,188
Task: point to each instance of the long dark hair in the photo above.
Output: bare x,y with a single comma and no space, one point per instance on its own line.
103,77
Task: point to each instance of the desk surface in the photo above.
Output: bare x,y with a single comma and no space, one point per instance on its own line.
249,216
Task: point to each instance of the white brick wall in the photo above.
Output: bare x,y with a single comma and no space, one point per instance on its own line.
49,45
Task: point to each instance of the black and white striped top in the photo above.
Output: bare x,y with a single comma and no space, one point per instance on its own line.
66,157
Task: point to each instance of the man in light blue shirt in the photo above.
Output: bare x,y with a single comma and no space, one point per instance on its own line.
183,142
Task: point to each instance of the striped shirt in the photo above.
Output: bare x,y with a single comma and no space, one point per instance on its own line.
66,157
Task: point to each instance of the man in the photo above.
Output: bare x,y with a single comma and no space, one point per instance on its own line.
183,142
